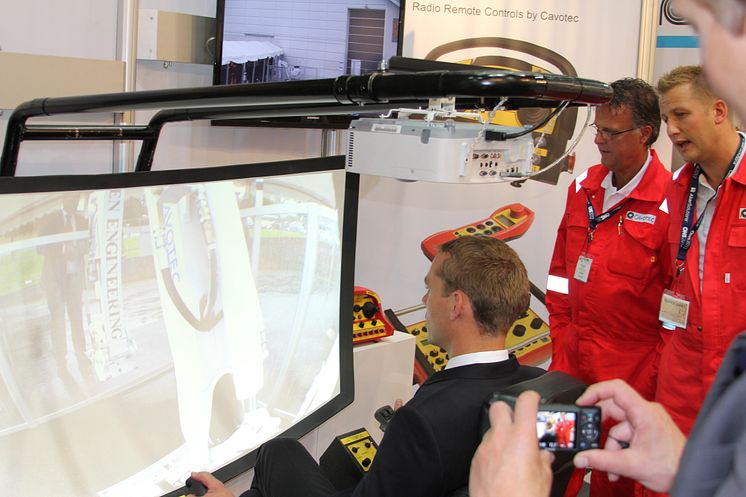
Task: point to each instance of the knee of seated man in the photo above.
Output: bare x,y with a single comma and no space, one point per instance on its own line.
275,454
279,446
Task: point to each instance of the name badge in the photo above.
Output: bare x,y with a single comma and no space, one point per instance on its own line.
674,310
641,218
583,268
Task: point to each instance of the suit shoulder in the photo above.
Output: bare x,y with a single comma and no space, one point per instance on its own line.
531,371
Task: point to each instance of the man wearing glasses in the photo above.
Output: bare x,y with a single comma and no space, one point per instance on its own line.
606,276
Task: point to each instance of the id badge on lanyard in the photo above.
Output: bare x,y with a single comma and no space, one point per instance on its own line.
674,310
583,268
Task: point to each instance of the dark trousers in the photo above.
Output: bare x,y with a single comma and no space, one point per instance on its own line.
65,293
284,468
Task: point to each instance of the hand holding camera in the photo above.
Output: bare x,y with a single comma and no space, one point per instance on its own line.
652,440
507,461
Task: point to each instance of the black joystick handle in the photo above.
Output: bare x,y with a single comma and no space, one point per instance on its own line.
195,487
369,310
383,415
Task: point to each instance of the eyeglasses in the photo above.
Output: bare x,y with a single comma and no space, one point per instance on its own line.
608,134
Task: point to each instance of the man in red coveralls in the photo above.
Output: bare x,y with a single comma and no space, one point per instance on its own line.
565,429
606,276
705,305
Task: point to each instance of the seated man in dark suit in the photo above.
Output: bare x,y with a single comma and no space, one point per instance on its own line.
476,288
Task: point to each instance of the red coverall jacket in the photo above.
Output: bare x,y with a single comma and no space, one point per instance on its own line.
690,357
608,327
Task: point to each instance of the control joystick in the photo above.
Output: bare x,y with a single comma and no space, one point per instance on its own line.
369,309
195,487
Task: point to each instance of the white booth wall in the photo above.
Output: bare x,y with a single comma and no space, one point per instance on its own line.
393,216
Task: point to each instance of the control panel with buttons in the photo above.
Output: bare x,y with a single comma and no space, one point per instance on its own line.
506,223
368,320
348,458
528,339
589,433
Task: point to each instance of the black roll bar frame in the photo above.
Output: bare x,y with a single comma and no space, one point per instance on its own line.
344,95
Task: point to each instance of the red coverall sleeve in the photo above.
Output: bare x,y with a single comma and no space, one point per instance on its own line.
558,303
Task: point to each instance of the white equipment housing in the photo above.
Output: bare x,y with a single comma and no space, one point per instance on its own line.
438,151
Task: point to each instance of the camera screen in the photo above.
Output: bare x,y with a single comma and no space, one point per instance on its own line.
556,429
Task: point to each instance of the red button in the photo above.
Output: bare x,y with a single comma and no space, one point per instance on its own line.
517,211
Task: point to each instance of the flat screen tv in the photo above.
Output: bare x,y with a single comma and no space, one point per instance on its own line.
285,40
158,323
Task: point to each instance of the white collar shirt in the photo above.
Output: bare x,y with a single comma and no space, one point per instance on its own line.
612,196
477,358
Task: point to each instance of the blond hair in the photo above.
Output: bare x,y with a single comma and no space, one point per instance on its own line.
691,75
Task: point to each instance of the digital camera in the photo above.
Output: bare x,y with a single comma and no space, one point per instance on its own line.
559,427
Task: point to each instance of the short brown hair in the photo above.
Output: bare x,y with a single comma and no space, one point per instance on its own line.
642,101
692,75
493,277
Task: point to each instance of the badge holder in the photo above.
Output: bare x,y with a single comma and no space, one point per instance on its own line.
674,311
583,268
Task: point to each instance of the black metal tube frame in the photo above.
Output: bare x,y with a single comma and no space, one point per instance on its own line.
160,119
357,93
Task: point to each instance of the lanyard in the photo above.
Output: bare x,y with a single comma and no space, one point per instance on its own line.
594,220
687,230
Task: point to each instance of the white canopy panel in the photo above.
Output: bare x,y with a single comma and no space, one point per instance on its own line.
241,52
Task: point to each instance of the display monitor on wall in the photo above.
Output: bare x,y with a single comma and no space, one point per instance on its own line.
260,41
160,323
276,41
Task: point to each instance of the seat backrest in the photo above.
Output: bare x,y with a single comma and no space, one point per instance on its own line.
554,387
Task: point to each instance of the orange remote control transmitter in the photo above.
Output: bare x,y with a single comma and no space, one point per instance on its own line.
506,223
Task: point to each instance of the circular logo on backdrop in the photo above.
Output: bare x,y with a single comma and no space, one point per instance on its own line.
668,13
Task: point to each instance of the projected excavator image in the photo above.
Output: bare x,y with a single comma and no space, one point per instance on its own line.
177,300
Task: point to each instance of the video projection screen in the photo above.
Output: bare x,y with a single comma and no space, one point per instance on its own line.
164,322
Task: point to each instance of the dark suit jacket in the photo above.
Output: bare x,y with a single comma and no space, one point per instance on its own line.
428,445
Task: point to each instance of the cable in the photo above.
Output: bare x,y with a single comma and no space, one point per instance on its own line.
573,144
494,135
